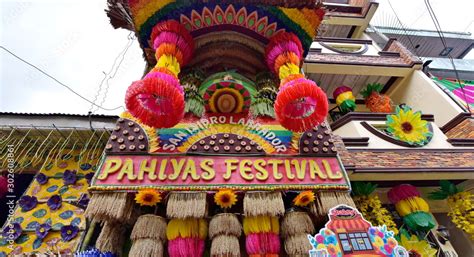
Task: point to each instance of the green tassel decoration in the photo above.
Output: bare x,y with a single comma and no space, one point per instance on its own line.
348,106
419,221
191,80
266,95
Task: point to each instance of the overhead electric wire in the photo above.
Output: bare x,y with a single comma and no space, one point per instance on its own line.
107,75
404,29
59,82
435,20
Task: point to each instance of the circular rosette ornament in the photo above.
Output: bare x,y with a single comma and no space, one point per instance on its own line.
227,93
301,105
157,100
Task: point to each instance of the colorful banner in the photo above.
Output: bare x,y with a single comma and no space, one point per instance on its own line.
131,172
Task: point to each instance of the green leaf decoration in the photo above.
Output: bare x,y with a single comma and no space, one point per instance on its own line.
52,188
363,188
22,239
63,190
76,221
419,221
66,215
32,225
18,220
374,87
37,243
445,190
57,226
39,213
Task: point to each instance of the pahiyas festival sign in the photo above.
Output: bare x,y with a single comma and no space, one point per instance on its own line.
348,234
207,173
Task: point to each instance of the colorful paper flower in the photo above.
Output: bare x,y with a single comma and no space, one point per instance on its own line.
69,177
83,201
304,198
42,230
54,202
408,126
41,178
89,177
69,232
225,198
378,242
27,203
148,197
157,101
417,247
12,231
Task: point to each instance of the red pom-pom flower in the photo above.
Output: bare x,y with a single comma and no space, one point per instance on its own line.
157,100
301,105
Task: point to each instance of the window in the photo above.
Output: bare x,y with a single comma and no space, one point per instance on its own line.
346,246
355,241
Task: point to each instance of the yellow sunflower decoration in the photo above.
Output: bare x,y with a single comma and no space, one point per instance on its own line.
416,247
148,197
304,198
225,198
408,126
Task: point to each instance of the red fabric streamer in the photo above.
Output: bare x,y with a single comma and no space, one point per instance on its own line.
402,192
156,101
301,94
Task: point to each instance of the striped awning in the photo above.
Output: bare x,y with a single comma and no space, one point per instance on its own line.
354,224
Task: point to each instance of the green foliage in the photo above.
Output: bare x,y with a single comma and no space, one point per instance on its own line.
374,87
363,188
446,189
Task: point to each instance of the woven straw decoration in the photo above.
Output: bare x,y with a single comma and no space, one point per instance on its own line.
146,248
149,226
186,205
223,245
295,223
263,203
110,207
225,224
111,238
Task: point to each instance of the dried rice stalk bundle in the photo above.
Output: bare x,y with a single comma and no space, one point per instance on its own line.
223,245
263,203
186,205
111,238
344,197
297,245
149,226
329,199
295,223
225,224
110,207
147,248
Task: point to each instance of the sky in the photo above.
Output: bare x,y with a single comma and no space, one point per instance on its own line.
73,41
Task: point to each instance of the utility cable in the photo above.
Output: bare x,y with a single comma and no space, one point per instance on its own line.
59,82
107,75
443,40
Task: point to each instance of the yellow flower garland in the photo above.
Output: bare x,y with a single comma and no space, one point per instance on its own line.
373,211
